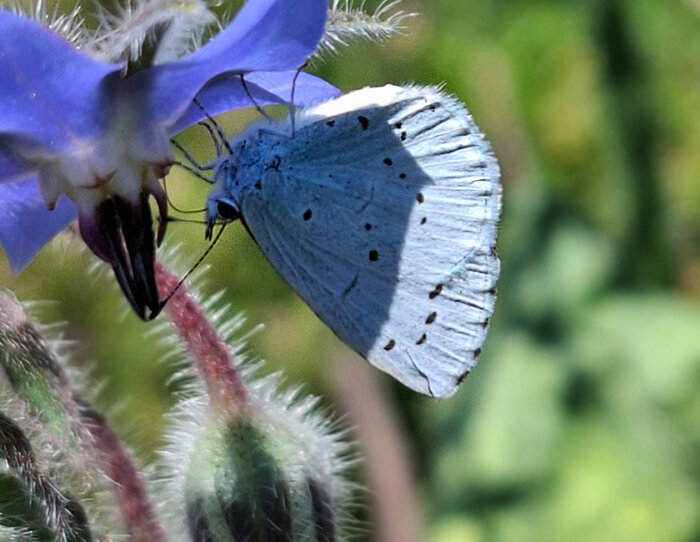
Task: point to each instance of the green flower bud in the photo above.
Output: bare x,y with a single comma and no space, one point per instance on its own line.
237,489
272,474
30,504
33,372
245,484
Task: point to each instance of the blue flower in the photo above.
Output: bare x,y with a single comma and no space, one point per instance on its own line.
72,126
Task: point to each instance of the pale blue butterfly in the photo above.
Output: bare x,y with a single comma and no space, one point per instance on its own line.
380,209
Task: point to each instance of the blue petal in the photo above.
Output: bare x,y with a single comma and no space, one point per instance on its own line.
308,89
226,92
25,223
266,35
51,94
12,166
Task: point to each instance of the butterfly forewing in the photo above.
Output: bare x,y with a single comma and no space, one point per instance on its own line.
381,212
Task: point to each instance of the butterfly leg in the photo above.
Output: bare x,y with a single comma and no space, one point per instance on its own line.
191,159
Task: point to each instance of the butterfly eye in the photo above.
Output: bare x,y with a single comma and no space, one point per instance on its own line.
227,211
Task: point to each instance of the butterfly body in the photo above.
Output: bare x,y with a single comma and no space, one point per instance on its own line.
380,209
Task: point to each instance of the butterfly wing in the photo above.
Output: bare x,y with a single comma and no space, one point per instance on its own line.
381,212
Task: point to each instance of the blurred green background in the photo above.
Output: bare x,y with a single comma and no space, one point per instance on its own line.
582,420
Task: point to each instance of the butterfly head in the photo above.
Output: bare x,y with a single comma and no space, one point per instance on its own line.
220,210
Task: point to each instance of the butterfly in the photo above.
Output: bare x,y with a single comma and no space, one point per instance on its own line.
380,209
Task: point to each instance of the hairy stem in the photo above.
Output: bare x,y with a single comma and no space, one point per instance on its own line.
134,505
211,356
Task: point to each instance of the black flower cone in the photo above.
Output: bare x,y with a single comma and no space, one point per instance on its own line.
121,233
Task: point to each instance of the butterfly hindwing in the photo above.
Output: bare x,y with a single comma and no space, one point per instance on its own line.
381,212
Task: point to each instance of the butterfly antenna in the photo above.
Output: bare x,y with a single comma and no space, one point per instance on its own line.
292,106
187,275
250,96
216,125
170,202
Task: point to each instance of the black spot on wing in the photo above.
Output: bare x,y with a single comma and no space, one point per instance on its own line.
388,161
420,198
364,121
461,378
436,292
402,176
368,226
373,255
423,220
431,318
331,123
423,338
390,345
307,214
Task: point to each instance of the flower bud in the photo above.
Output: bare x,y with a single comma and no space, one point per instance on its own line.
271,474
237,488
34,374
54,445
252,479
31,506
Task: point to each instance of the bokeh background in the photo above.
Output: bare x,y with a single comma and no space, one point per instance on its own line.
582,420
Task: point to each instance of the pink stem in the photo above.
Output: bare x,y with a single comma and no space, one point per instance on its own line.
136,509
211,356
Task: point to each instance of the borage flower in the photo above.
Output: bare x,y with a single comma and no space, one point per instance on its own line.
100,135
